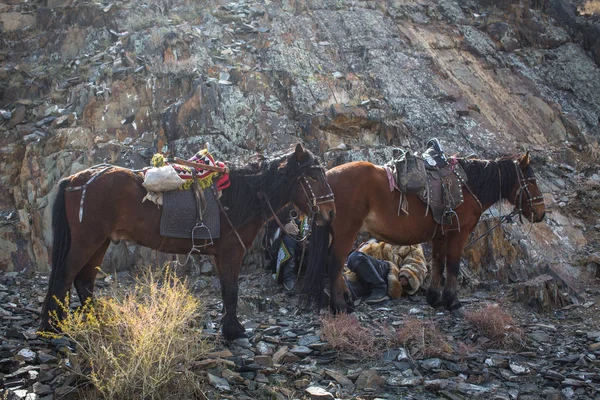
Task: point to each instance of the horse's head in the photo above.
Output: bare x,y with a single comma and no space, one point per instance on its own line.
526,196
312,194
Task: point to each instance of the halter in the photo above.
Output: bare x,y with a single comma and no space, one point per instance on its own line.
518,201
313,200
524,190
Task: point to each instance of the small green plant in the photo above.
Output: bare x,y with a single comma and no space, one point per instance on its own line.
139,345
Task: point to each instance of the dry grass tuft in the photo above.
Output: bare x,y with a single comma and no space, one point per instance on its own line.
140,345
423,338
497,325
345,334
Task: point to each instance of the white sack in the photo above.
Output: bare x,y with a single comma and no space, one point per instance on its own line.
162,179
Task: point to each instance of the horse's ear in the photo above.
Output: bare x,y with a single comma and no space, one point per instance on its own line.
300,153
524,161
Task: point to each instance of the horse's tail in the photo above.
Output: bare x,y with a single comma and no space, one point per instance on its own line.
61,243
313,285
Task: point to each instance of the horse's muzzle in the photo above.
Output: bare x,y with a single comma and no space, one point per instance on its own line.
325,217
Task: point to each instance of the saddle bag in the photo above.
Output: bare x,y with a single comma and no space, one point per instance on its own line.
410,173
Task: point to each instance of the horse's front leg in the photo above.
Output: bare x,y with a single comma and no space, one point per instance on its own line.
438,250
229,262
341,297
456,243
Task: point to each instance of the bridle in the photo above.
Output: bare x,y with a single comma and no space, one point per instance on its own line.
523,191
313,200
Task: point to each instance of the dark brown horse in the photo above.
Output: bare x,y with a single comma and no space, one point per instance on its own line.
113,210
364,202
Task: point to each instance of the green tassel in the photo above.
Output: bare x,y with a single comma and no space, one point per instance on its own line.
158,160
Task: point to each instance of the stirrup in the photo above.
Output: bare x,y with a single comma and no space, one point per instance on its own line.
452,214
197,247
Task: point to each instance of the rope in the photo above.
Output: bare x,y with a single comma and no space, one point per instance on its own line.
505,218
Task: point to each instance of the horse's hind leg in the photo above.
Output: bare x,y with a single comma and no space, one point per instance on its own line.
438,250
85,279
456,243
80,254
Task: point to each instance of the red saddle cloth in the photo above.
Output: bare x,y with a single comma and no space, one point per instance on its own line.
203,175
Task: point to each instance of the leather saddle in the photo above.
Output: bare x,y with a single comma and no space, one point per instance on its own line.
436,180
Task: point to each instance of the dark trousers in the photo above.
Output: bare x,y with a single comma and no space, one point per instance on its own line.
369,270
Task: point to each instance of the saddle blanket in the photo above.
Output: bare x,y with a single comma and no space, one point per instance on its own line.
205,177
178,217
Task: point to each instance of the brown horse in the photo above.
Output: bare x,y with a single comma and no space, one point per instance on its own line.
364,202
113,210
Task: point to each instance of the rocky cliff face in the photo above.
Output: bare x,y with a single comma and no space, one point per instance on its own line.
88,82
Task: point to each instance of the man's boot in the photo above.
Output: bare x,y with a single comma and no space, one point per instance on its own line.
289,277
372,273
378,294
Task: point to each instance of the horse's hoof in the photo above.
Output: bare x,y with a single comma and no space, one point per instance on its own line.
434,299
454,306
459,312
242,342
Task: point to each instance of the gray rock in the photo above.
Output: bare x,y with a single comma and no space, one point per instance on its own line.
340,378
219,383
431,363
316,392
518,368
402,381
593,335
308,340
27,355
369,379
402,354
301,351
471,389
568,392
41,389
540,336
44,358
477,42
263,348
436,384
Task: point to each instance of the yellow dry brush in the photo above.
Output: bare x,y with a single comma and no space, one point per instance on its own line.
140,344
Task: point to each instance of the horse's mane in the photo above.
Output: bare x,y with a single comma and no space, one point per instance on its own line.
484,177
274,177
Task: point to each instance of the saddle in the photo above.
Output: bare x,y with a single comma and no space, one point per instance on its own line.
192,210
435,179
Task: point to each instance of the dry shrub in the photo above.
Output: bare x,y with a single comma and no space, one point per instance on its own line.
497,325
140,345
345,334
423,338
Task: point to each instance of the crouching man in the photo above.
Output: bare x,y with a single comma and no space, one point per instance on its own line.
380,271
